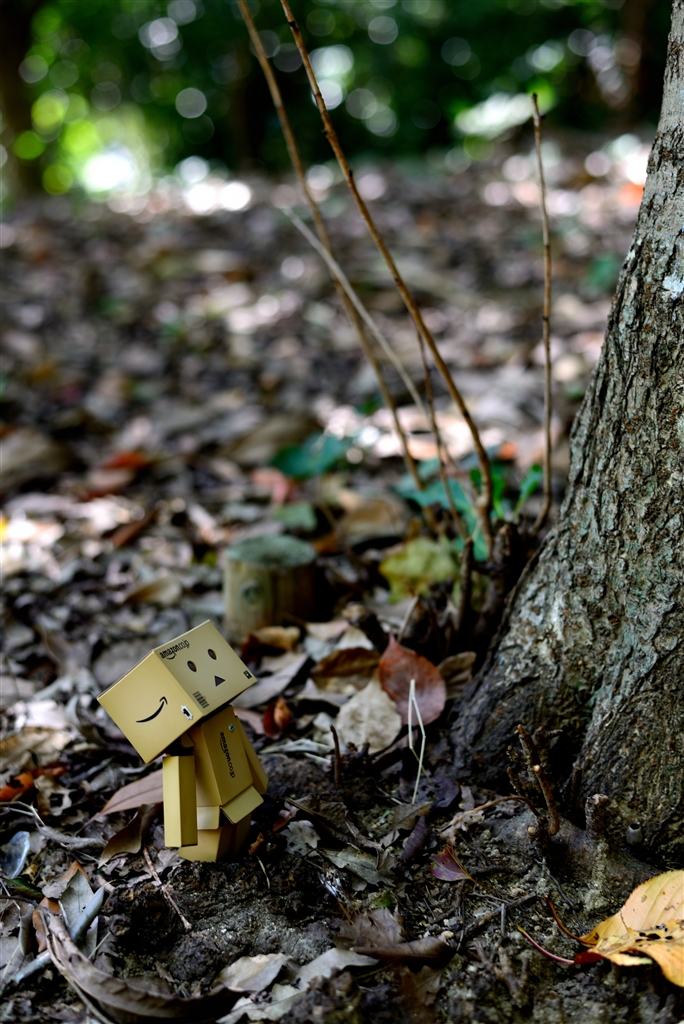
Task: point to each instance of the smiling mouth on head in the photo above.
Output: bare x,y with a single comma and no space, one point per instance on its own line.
149,718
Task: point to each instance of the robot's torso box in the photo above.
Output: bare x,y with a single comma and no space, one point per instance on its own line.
174,688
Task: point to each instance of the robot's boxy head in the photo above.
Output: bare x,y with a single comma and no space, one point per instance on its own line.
174,688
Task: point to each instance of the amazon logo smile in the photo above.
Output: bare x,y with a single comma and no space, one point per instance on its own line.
149,718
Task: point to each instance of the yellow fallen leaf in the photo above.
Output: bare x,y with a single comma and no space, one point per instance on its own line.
650,924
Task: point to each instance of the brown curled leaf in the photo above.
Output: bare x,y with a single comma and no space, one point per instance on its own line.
125,1000
431,952
143,791
129,838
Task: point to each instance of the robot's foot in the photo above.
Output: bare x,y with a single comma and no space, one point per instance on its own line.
216,843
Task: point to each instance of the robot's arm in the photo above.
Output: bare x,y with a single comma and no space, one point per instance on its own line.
180,800
259,776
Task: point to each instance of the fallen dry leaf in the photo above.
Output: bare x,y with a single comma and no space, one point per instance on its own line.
345,668
418,563
332,962
164,591
144,791
125,1000
361,863
15,944
380,934
418,992
74,902
277,717
372,517
50,901
252,973
278,638
251,718
398,666
271,686
31,745
51,798
27,780
448,868
371,717
416,840
379,927
650,924
129,838
456,671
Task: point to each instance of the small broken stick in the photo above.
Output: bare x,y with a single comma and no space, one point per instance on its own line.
165,893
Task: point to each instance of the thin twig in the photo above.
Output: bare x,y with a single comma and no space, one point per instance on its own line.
546,322
439,441
551,956
533,762
479,923
357,307
268,880
545,787
343,281
68,841
338,759
165,893
484,503
407,618
413,703
465,589
349,306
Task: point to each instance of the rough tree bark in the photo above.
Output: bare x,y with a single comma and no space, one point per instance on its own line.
593,640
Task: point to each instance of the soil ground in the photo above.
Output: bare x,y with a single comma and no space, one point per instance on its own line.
156,361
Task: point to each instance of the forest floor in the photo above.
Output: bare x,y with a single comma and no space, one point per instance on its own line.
159,355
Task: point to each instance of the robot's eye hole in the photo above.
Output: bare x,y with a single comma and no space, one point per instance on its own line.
186,711
192,666
212,654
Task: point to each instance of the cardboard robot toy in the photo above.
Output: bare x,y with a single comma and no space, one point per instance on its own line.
176,702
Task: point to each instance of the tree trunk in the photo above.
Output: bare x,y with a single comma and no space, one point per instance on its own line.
593,639
16,101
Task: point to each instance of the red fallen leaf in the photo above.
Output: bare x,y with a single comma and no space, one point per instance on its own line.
277,717
448,868
284,818
398,666
129,531
26,780
126,460
276,482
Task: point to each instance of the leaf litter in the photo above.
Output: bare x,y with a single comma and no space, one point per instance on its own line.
133,460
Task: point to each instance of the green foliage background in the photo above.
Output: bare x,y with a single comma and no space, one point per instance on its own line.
81,76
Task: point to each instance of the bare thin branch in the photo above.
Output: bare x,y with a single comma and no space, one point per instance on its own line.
441,447
465,591
532,760
546,321
343,281
164,890
484,504
352,312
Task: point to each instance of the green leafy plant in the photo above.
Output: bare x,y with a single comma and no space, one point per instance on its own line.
507,499
317,455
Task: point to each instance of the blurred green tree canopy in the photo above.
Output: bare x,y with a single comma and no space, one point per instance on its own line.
152,82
